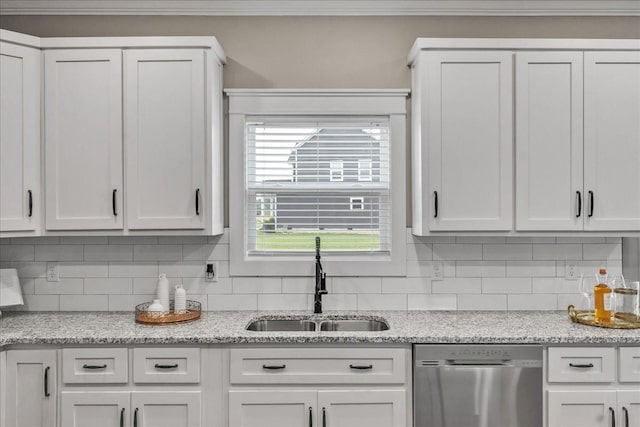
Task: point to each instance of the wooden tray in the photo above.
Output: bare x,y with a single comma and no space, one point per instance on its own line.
194,310
620,321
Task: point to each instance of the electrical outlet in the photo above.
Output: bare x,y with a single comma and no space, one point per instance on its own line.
211,271
438,271
52,272
571,271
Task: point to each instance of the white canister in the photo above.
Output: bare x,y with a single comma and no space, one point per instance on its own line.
163,291
155,309
180,300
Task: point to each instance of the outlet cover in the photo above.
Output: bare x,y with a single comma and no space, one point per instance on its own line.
438,271
571,271
211,271
52,272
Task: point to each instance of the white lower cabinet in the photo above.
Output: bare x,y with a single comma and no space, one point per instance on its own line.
96,409
362,408
592,395
272,408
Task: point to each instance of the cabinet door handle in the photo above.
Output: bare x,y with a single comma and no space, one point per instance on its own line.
135,418
324,417
46,382
113,202
197,201
613,416
590,203
579,204
579,365
94,366
30,203
158,366
361,367
274,366
626,416
310,416
435,204
122,418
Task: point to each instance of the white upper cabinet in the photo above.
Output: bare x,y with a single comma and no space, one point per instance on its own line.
20,195
612,140
165,138
549,193
469,133
83,139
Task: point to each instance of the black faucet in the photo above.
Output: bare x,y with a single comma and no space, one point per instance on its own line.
321,285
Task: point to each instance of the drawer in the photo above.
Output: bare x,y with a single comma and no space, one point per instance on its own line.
166,365
581,364
317,366
630,364
94,365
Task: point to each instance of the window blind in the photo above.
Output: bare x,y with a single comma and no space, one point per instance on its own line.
317,176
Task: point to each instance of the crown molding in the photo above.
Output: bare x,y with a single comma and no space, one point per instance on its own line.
324,7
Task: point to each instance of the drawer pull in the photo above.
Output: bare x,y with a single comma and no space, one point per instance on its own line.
613,416
626,416
273,367
94,366
310,417
159,366
361,367
582,366
122,418
46,381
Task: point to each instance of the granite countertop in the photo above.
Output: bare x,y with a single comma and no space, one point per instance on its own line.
228,327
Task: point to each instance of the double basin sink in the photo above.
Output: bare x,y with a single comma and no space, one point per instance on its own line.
325,325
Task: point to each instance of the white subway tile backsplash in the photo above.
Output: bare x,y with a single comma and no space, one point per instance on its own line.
181,240
28,286
108,253
425,268
27,269
41,303
507,252
419,251
482,302
382,301
299,285
432,302
257,285
17,252
457,286
480,240
145,286
224,285
133,269
531,268
233,302
206,252
506,285
271,302
108,286
338,302
457,252
128,302
59,252
182,269
535,240
133,240
83,269
581,240
356,285
578,300
84,302
532,302
157,252
44,240
480,268
557,251
555,285
64,286
607,251
406,285
84,240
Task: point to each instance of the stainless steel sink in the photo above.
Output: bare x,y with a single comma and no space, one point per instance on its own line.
282,325
354,325
308,325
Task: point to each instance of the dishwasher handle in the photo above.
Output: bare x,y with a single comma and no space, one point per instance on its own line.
477,363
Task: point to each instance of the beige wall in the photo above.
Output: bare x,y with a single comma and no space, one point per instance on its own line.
322,52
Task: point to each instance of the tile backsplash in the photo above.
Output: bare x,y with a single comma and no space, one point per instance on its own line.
479,273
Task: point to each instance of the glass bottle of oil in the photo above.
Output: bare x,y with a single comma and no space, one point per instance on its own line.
602,298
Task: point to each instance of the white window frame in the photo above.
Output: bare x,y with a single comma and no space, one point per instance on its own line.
336,170
362,168
360,202
390,103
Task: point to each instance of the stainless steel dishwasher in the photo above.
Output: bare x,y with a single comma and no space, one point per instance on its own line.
477,385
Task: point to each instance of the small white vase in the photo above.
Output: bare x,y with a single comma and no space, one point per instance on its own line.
180,300
156,309
163,291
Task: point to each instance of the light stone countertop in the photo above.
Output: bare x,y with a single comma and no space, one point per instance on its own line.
84,328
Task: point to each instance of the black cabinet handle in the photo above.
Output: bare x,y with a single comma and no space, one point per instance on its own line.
362,367
94,366
626,416
274,366
158,366
46,382
122,418
324,417
310,416
135,418
197,201
587,365
435,204
30,203
590,203
579,204
613,416
113,202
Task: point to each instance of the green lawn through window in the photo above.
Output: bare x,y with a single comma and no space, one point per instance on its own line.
306,241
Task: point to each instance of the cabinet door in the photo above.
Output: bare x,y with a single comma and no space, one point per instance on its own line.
612,140
166,408
95,409
549,141
19,138
165,139
470,140
360,408
581,408
31,388
83,139
629,408
272,408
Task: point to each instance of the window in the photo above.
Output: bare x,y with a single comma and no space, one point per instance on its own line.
306,172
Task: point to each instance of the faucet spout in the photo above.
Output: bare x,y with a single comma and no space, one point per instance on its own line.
321,285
